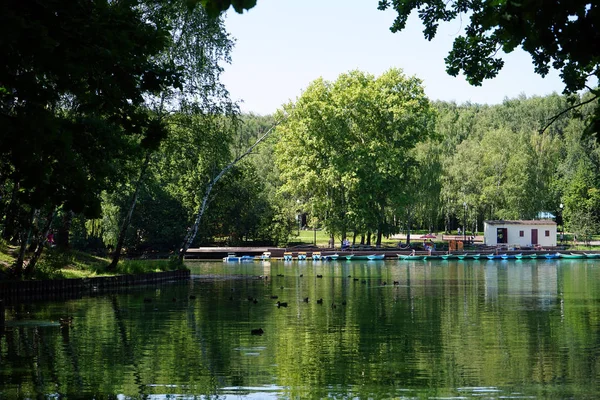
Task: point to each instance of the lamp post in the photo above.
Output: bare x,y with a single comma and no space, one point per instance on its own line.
562,223
465,221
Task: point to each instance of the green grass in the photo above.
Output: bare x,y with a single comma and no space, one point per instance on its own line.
143,266
307,237
56,264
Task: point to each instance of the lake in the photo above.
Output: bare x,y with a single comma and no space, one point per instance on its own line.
393,329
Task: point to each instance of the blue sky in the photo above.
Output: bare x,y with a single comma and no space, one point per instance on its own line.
282,45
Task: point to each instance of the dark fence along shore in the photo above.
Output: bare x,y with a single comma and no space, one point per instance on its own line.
73,288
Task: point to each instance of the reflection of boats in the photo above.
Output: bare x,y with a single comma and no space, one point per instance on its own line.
551,255
331,257
467,256
316,255
287,256
409,258
571,255
374,257
509,256
592,255
449,256
301,255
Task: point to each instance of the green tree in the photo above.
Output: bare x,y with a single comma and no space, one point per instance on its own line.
71,104
345,150
198,43
559,35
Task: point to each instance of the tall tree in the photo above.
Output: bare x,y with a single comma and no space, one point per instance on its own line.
197,44
72,90
345,150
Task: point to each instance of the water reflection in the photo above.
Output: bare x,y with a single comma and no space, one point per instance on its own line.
383,329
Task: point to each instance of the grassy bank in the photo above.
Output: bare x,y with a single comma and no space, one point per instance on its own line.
307,237
56,264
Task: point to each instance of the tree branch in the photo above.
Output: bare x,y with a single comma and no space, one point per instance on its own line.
566,110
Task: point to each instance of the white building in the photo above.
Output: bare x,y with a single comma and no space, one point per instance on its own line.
520,233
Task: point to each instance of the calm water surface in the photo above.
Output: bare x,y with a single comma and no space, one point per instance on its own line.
394,329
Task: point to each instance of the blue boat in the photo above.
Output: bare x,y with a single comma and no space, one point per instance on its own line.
552,255
493,256
374,257
233,258
316,255
287,256
301,255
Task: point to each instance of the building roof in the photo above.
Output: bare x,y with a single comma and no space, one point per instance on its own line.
521,222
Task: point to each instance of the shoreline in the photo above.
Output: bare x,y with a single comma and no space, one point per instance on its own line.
18,291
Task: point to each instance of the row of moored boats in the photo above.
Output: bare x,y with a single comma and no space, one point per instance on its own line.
316,256
302,256
518,256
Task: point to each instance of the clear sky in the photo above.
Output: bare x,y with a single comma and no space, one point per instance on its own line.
282,45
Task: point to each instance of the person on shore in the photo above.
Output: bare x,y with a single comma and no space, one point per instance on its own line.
50,239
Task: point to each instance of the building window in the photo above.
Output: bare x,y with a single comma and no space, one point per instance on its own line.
521,233
547,233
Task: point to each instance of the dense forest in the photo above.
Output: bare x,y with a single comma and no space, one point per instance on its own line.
119,134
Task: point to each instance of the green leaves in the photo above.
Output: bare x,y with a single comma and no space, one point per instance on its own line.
561,35
216,7
344,150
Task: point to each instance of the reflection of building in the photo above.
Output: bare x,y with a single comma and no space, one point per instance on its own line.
521,233
535,284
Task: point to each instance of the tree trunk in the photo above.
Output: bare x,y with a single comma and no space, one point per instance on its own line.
368,238
11,211
117,254
191,233
24,238
62,236
380,227
41,240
